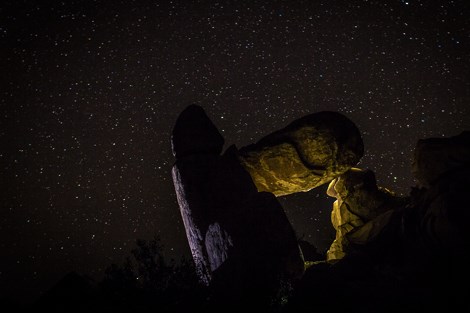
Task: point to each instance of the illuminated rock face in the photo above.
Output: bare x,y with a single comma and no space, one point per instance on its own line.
239,237
361,212
309,152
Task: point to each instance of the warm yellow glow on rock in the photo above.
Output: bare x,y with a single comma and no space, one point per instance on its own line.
306,154
361,211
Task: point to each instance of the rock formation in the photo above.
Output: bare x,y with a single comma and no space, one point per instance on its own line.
430,220
361,211
391,254
305,154
412,251
240,238
440,208
414,257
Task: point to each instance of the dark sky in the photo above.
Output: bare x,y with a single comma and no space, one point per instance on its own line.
90,91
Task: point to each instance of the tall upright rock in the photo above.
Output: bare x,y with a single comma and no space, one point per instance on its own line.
307,153
240,239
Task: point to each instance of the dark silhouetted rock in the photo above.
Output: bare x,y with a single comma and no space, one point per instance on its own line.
441,209
307,153
434,157
194,133
310,252
240,238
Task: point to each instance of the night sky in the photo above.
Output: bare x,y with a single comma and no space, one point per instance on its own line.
90,91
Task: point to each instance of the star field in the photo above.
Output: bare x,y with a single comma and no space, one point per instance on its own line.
91,90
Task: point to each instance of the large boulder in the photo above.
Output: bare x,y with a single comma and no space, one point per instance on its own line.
307,153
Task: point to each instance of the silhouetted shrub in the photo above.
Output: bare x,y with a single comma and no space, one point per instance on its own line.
146,281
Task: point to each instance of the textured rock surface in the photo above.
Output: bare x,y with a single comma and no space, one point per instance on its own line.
240,238
307,153
362,210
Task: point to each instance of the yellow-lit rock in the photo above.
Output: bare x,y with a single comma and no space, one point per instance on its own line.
309,152
361,211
